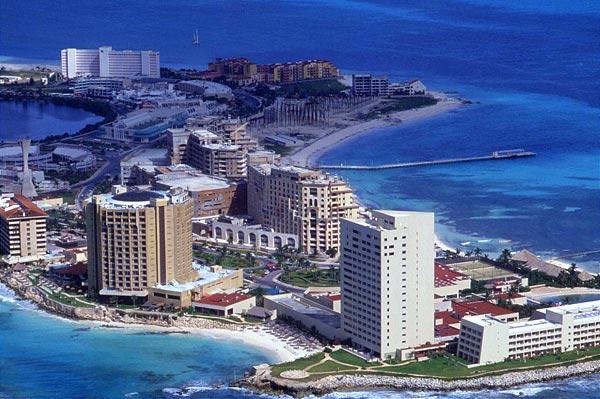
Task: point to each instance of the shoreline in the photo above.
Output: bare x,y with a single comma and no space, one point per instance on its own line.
246,336
263,382
309,155
257,335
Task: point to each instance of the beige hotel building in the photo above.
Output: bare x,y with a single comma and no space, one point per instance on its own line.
137,239
22,228
387,281
299,201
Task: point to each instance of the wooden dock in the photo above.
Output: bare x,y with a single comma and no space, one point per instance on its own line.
495,156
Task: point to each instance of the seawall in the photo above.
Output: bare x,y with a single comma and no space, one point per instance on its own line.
262,381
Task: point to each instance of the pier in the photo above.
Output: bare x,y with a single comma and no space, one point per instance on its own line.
496,155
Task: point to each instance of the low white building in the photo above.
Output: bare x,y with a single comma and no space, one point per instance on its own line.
410,88
239,231
73,157
206,88
225,304
311,315
147,158
485,339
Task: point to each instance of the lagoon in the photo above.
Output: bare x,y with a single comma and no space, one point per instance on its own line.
39,119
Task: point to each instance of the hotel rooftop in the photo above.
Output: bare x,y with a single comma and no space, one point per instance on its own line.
138,199
16,206
206,276
446,276
191,180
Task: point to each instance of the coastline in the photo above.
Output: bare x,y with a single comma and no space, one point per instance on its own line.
257,336
259,339
263,382
309,155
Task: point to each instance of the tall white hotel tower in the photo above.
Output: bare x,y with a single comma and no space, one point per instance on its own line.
109,63
387,280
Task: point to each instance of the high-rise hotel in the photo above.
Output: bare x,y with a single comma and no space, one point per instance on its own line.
300,201
387,281
109,63
137,239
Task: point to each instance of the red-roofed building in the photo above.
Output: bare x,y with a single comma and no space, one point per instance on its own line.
449,282
22,228
480,307
78,269
222,304
510,297
446,327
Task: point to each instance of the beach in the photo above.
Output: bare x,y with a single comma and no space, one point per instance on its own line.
284,343
259,337
309,155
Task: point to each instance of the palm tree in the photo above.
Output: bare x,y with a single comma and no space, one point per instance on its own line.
259,293
505,257
331,252
250,259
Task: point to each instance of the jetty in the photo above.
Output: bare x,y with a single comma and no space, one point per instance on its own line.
496,155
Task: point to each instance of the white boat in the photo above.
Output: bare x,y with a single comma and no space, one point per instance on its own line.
196,37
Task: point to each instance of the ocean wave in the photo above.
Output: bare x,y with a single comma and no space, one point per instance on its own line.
7,295
526,390
187,391
190,390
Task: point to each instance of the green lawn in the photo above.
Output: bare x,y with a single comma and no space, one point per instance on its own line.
348,358
58,297
227,261
400,104
446,366
311,88
311,278
298,364
450,366
329,366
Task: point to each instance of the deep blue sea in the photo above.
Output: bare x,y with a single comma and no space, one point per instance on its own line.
532,69
37,120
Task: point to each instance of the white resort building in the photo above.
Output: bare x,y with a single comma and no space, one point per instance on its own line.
108,63
387,281
485,339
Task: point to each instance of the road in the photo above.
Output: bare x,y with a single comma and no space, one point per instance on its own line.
249,100
271,280
112,166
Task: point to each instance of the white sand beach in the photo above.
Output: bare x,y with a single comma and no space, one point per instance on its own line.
259,336
309,155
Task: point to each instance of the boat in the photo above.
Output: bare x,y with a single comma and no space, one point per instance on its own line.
196,38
